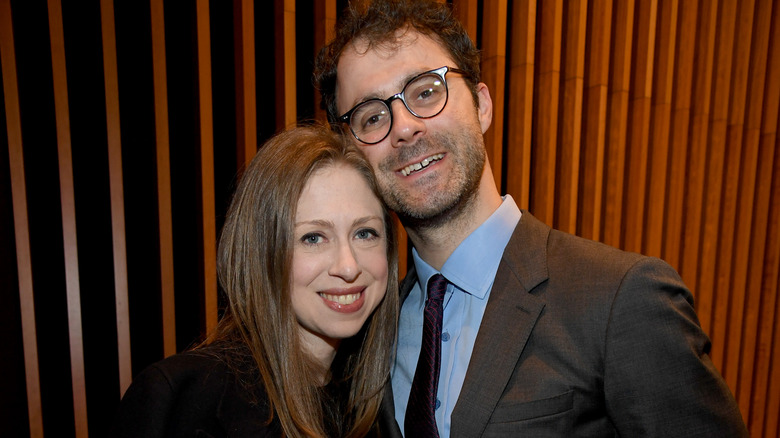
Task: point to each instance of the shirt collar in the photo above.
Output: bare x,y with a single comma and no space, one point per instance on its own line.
473,265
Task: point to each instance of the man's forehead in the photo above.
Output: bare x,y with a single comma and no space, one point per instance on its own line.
388,45
381,69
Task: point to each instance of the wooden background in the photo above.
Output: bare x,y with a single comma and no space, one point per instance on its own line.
650,125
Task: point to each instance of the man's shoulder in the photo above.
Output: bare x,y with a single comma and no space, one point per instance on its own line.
560,246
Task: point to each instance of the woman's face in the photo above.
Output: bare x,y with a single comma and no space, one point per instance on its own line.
339,258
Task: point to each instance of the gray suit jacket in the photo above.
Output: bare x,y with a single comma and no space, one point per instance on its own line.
583,340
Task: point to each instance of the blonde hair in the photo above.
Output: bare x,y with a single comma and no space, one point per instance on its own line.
254,264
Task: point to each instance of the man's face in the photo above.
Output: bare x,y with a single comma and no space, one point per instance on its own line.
427,169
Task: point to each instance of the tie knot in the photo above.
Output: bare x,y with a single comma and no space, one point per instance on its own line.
437,286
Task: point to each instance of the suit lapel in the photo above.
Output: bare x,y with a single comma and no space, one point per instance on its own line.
509,319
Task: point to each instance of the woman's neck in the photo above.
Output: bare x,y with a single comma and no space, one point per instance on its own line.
322,350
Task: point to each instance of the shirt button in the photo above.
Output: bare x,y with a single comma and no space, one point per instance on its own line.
445,337
438,403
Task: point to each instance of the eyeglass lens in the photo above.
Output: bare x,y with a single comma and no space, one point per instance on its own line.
424,97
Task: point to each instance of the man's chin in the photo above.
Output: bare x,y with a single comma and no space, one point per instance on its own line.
430,215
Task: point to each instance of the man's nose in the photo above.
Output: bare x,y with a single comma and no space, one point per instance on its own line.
406,126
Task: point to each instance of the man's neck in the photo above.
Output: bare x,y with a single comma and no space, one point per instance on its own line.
436,244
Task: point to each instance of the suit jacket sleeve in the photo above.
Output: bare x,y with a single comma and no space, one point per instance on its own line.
658,377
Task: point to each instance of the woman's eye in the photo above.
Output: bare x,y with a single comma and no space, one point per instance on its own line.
311,239
366,233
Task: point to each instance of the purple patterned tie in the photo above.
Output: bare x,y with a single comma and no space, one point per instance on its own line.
420,418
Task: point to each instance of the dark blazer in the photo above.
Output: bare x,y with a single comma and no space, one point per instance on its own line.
192,395
583,340
197,395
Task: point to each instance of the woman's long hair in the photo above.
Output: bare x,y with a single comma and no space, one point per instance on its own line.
254,264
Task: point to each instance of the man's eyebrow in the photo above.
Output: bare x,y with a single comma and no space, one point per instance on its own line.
399,85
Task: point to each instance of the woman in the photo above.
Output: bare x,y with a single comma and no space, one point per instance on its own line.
304,346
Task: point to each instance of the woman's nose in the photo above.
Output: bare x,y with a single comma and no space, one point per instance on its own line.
345,264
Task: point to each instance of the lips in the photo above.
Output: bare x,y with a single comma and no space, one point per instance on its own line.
410,169
344,300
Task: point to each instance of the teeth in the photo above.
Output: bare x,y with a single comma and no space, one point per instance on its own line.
406,171
341,299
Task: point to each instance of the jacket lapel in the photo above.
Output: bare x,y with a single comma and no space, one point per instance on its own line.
510,317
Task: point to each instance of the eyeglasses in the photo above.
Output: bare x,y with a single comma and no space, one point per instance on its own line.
425,96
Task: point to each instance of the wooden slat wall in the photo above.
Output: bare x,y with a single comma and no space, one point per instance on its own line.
494,71
649,125
117,194
163,156
246,88
21,230
207,206
763,277
67,202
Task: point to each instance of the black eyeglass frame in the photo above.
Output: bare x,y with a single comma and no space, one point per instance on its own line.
440,72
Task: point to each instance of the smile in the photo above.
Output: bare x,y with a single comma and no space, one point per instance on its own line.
408,170
343,300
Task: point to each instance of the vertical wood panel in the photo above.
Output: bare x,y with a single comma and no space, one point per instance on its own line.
569,147
21,223
639,125
763,273
716,144
324,31
246,89
207,167
286,111
730,316
546,111
770,285
619,89
595,123
658,146
521,101
466,11
761,302
493,72
674,212
753,201
696,169
163,156
117,194
67,200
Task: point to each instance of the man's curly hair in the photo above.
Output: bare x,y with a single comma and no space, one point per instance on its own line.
376,23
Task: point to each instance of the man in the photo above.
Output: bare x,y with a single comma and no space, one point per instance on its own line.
543,333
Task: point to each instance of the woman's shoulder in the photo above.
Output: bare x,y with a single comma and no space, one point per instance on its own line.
197,365
200,389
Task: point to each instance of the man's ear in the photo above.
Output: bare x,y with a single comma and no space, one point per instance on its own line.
485,110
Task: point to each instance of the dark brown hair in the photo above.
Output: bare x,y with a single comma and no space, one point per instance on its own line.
376,23
255,259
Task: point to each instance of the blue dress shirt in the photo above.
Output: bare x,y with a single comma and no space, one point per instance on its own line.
470,270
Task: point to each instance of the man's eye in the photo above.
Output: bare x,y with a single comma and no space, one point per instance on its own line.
371,120
426,94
